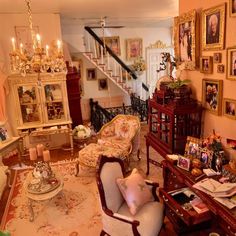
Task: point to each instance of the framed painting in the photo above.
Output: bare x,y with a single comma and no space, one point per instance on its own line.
134,48
217,57
229,106
232,8
213,27
231,63
220,68
113,43
102,84
212,95
91,74
185,39
206,65
192,147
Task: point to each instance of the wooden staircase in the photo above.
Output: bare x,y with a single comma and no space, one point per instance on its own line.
108,63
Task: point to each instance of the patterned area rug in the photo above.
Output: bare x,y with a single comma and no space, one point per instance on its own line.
51,218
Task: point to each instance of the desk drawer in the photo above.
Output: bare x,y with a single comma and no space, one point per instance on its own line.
190,217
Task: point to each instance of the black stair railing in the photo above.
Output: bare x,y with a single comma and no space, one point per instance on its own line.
118,60
100,115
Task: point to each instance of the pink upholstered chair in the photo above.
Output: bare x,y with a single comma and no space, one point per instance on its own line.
116,217
117,138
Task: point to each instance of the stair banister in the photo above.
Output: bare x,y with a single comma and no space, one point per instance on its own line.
88,29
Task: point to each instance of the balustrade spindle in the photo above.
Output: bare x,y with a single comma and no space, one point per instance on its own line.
108,61
115,64
102,59
121,80
95,49
88,38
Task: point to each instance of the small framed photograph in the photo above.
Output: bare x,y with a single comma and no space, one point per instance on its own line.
183,163
206,156
102,84
206,65
217,57
229,106
4,134
231,143
220,68
192,147
231,63
134,48
213,28
232,8
212,95
91,74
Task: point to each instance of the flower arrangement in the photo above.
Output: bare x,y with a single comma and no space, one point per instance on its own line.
213,142
139,64
81,132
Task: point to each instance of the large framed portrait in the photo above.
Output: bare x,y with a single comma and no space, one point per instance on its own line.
91,74
102,84
212,95
229,106
232,8
185,40
134,48
231,63
213,28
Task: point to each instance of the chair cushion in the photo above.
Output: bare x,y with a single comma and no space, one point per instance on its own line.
135,191
150,217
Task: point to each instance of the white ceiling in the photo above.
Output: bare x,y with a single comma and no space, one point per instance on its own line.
141,13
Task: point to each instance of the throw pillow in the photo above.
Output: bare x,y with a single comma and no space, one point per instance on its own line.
135,191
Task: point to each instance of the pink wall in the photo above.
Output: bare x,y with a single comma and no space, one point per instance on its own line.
224,126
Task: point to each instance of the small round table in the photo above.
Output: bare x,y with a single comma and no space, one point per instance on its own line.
48,195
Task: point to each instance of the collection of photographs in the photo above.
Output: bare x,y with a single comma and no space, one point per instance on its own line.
187,40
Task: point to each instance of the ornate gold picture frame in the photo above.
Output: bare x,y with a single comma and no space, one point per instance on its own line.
229,106
213,27
192,147
212,95
134,48
206,65
185,40
232,8
231,63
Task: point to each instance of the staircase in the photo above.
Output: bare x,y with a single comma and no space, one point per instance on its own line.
107,62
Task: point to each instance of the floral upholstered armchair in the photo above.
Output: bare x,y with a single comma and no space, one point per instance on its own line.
118,138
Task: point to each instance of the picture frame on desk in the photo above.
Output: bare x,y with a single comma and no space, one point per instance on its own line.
192,147
183,163
206,156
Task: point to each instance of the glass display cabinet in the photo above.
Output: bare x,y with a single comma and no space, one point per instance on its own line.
41,104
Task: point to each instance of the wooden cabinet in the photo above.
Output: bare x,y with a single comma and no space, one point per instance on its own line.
74,90
218,219
169,126
41,104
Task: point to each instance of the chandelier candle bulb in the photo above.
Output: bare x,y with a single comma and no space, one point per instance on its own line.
21,48
33,154
59,46
40,149
46,155
47,48
38,38
13,44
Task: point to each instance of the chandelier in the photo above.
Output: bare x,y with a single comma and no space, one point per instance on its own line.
38,59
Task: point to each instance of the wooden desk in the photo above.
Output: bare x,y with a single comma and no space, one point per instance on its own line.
223,219
10,148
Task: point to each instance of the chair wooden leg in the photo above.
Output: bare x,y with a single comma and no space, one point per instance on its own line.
77,169
103,233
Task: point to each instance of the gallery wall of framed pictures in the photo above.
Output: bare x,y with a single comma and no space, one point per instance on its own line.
217,39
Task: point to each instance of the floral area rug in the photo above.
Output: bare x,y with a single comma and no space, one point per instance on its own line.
82,218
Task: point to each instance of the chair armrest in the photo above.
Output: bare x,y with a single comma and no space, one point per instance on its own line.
154,187
8,174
